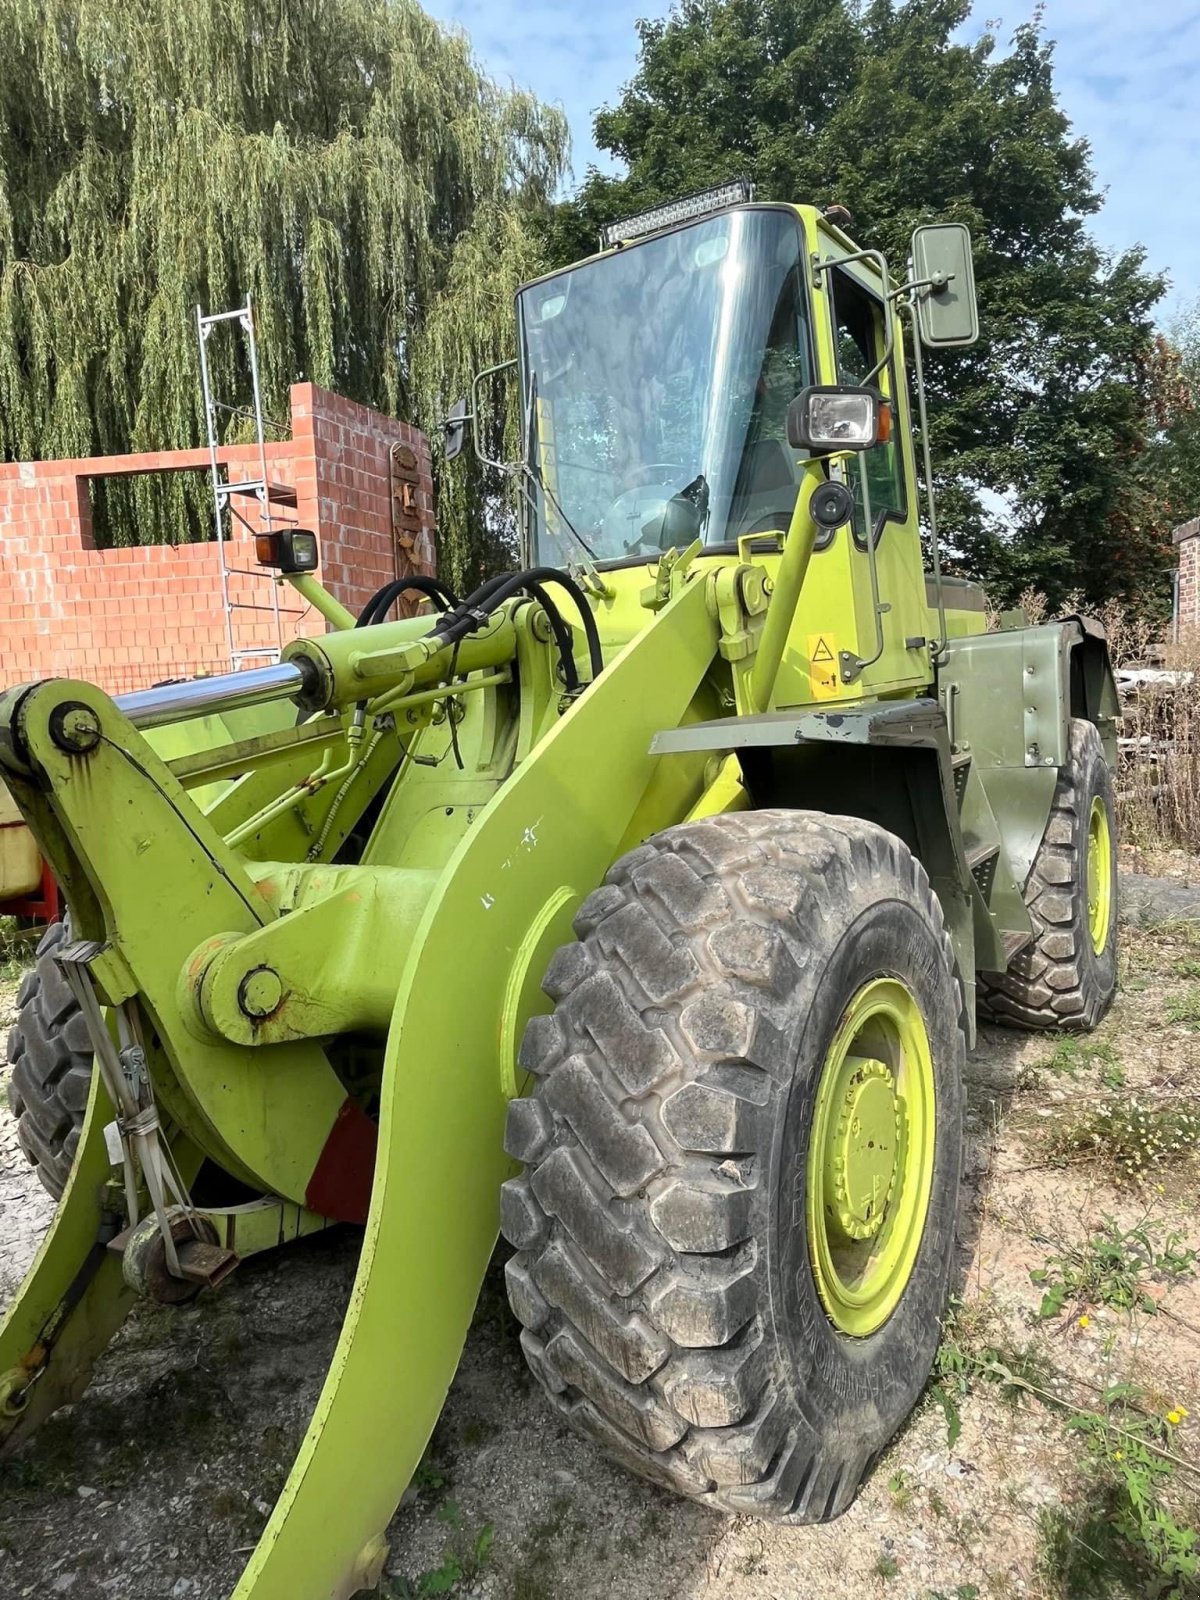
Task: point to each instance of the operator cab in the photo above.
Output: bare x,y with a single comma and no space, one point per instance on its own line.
657,379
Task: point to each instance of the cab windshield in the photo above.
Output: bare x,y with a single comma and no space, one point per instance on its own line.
657,381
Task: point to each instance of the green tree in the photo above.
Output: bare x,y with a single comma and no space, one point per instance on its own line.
1040,430
345,161
1174,459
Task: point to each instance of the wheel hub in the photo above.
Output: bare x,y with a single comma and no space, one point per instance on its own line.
871,1156
863,1147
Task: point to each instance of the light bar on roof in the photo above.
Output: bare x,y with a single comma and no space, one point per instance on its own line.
737,193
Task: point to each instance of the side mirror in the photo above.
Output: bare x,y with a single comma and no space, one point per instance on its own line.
944,276
454,429
833,416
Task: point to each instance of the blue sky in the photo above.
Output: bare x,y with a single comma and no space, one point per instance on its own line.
1127,74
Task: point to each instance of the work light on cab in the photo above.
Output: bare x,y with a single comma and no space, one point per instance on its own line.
287,550
828,417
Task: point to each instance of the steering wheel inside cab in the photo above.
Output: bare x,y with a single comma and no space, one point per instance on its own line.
651,515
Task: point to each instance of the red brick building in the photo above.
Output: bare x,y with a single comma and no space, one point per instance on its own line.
126,618
1187,598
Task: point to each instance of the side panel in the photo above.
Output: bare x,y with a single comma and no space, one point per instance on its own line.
1009,698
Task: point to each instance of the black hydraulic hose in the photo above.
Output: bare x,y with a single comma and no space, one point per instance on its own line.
382,601
480,602
562,636
475,609
586,615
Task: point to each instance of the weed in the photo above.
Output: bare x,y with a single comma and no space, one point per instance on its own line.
428,1476
1124,1538
461,1564
1127,1137
1187,969
902,1489
437,1580
1113,1267
1184,1007
969,1350
886,1567
1072,1054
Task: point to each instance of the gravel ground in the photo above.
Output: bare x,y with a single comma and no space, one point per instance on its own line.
156,1485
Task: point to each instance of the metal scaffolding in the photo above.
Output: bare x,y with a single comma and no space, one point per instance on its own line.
227,491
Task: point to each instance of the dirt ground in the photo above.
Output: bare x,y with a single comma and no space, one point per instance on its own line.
158,1482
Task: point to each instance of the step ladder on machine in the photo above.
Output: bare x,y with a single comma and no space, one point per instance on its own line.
227,492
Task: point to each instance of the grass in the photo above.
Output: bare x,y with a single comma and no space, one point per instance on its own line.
17,949
1074,1053
1185,1007
1129,1137
534,1576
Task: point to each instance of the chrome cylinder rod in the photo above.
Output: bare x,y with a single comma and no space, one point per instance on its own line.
198,697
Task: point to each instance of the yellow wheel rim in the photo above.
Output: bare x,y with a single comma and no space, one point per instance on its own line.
870,1157
1099,874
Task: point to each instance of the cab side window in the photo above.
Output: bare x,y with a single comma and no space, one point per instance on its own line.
858,341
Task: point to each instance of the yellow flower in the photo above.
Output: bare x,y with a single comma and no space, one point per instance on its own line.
1085,1321
1175,1417
1118,1455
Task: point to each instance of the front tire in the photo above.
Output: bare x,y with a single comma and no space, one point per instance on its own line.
756,1005
50,1054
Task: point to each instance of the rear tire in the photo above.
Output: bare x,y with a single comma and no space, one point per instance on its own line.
50,1054
1066,978
665,1240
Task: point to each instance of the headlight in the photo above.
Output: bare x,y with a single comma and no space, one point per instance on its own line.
287,549
830,417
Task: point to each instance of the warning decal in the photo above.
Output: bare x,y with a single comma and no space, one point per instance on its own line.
822,670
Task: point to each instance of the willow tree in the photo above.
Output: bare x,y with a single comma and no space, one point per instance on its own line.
346,162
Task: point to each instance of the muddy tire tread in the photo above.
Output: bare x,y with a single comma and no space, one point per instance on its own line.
51,1060
637,1278
1049,987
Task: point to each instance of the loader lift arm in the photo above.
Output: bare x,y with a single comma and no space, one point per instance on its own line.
268,1112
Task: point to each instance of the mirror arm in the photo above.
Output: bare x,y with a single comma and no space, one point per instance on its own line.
473,416
936,651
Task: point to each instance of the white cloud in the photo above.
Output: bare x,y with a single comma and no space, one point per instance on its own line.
1126,73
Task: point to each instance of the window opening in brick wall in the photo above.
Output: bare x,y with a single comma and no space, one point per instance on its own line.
150,508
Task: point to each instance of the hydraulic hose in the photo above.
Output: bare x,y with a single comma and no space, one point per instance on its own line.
382,601
475,609
562,636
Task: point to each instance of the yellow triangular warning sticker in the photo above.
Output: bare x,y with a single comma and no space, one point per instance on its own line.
822,666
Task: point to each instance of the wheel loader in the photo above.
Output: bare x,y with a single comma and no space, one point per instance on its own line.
638,906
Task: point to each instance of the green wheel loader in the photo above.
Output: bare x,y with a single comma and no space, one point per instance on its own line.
638,905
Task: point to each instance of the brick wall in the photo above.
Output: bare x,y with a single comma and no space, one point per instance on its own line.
1187,538
126,618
